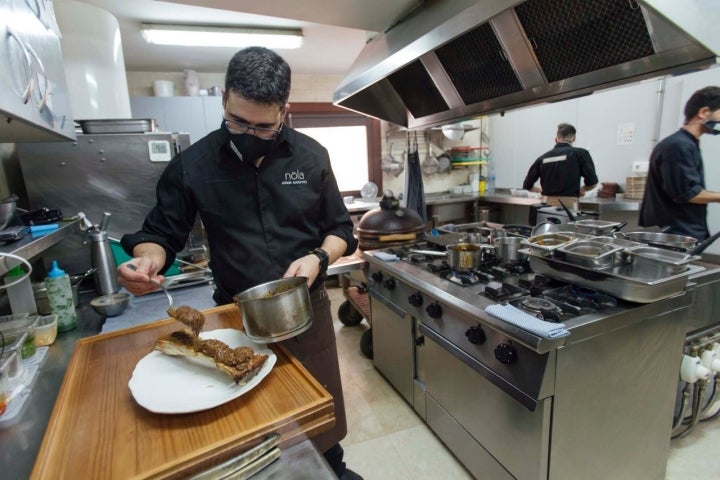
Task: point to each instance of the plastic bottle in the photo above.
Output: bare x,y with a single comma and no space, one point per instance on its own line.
22,299
490,187
60,297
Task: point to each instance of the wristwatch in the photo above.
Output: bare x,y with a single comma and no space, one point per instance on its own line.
323,256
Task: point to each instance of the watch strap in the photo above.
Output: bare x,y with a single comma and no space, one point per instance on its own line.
323,256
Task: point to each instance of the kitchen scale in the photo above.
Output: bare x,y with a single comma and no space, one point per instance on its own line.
11,234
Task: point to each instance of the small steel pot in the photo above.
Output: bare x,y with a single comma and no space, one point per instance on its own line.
507,249
275,310
464,256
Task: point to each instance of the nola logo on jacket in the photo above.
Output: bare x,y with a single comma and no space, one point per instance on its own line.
294,178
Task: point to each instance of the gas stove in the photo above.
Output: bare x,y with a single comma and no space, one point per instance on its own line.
509,282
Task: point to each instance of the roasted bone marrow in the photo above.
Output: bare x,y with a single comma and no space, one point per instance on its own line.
241,363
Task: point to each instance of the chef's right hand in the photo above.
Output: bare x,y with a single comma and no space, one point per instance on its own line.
137,280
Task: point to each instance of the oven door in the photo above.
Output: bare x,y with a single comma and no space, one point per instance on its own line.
393,344
494,435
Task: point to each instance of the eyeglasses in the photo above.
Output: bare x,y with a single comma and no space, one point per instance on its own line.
236,127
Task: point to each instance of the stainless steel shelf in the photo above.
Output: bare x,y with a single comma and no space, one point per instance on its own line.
29,246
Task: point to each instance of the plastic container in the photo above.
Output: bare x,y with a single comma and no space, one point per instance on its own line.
46,330
61,298
22,299
490,185
16,327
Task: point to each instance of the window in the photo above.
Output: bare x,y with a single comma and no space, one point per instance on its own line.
352,140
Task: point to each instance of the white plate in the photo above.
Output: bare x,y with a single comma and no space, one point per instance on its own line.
369,190
176,384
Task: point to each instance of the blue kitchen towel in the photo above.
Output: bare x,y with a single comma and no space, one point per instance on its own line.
527,322
385,257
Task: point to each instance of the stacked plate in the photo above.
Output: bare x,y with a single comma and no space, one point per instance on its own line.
635,187
608,190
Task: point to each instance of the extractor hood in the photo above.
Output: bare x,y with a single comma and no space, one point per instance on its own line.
453,60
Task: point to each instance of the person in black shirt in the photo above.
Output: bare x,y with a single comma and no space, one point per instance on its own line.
271,208
675,194
561,169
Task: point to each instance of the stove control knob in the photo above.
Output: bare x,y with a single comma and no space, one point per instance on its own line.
377,277
434,310
389,283
416,299
506,353
475,335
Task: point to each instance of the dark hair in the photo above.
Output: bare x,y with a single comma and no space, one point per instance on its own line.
260,75
705,97
565,131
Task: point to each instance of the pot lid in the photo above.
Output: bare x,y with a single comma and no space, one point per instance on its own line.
390,218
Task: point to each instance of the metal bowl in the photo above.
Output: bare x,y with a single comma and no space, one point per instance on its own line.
110,305
275,310
7,210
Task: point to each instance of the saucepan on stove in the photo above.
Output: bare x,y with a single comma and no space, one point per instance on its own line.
465,256
276,310
507,249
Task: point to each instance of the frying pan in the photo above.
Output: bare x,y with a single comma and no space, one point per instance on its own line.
678,243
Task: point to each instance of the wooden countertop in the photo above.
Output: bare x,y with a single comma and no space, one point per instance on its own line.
97,430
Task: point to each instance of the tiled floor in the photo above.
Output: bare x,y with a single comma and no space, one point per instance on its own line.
388,441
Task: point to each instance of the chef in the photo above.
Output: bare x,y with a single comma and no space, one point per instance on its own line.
675,194
271,208
561,169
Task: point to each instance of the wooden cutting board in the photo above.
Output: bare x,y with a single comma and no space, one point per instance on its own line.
97,430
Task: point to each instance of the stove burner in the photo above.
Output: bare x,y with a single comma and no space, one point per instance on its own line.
463,277
537,304
416,258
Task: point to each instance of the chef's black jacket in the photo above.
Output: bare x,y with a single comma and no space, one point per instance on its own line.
675,176
258,219
560,170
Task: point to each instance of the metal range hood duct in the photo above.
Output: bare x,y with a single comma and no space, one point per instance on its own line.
452,60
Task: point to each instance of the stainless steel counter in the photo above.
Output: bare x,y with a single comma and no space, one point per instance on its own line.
20,442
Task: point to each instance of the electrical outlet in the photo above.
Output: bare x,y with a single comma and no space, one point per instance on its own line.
640,167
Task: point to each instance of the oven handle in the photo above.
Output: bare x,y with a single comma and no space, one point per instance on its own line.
388,303
529,402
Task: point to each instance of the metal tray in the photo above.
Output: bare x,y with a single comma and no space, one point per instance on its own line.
594,227
589,253
545,243
655,261
616,281
117,126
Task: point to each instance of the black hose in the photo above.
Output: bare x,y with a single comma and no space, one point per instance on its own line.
697,396
713,399
683,404
2,349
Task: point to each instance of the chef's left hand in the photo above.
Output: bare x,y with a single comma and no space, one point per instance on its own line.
307,266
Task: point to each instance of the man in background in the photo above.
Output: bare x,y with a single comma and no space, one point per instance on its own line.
561,169
675,194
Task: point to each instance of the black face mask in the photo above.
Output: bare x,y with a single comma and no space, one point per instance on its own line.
713,127
250,147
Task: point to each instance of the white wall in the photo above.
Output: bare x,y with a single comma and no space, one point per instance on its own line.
520,136
305,88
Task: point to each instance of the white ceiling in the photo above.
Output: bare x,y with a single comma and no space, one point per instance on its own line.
334,31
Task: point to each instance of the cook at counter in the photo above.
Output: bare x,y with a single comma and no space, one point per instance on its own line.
260,224
561,169
675,193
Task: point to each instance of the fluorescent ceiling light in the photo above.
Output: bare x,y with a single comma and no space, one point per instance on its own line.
229,37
